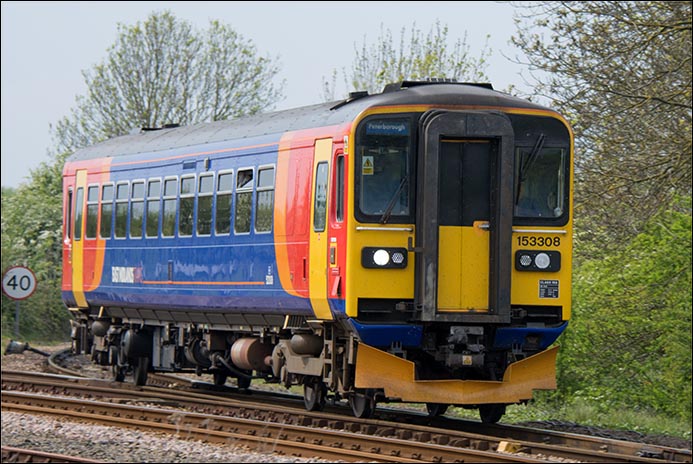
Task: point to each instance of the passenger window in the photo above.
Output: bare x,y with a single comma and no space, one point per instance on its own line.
153,207
265,200
244,201
79,199
121,212
106,211
320,205
187,207
205,190
137,210
92,211
223,210
168,226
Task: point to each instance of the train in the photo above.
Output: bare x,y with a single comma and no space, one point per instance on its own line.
409,246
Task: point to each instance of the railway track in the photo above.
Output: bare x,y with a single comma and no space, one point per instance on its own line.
11,454
398,439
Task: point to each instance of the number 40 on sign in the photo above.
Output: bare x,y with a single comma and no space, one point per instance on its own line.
18,283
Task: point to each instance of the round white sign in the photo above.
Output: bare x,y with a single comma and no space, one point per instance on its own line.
18,283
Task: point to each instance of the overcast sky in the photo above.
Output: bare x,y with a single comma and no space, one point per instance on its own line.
47,45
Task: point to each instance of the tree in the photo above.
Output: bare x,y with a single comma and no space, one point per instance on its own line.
621,72
32,236
162,72
418,58
629,341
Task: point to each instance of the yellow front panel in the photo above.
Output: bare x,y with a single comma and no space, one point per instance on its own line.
378,283
526,286
463,267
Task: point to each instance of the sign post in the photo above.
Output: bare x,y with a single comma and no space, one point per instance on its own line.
18,283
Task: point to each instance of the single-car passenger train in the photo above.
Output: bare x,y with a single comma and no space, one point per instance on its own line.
411,246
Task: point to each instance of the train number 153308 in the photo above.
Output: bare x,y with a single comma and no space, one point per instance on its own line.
527,240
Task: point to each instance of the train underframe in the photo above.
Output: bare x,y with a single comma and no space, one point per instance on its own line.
320,356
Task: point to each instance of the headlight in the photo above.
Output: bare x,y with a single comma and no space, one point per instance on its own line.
535,260
384,258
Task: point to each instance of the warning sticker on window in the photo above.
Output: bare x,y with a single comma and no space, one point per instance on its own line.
367,166
548,289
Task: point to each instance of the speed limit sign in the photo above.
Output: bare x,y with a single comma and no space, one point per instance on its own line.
18,283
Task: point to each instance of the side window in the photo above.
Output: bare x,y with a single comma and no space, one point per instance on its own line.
168,226
106,211
121,211
320,206
92,211
224,195
265,199
205,190
153,208
137,210
68,221
244,201
186,211
339,190
79,201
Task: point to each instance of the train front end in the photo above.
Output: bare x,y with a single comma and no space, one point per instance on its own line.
459,279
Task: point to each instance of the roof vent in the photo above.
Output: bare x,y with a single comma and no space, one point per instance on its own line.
352,96
431,81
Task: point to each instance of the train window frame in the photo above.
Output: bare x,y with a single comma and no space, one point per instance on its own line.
103,226
408,182
320,210
68,212
153,200
136,217
247,191
92,213
262,190
218,195
204,196
124,218
79,214
168,200
187,197
338,195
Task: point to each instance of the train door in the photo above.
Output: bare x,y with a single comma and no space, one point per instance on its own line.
319,240
464,217
77,239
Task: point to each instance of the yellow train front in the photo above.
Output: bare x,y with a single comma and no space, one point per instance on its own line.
459,257
413,245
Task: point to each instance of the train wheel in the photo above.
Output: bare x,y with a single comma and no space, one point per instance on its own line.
314,394
117,370
436,409
243,382
491,413
362,405
219,378
141,369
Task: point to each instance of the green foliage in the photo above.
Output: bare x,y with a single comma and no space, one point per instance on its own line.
32,237
621,73
420,57
161,72
629,341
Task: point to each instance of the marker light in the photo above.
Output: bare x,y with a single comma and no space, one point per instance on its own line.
542,260
381,257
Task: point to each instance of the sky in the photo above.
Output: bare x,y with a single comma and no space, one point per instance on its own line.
47,45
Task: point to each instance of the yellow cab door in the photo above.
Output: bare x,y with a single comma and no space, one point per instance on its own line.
319,240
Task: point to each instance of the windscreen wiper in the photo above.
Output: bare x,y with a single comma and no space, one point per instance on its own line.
526,163
391,204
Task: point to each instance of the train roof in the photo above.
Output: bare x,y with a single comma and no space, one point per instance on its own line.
406,93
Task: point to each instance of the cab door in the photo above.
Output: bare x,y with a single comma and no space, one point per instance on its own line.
319,240
464,216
